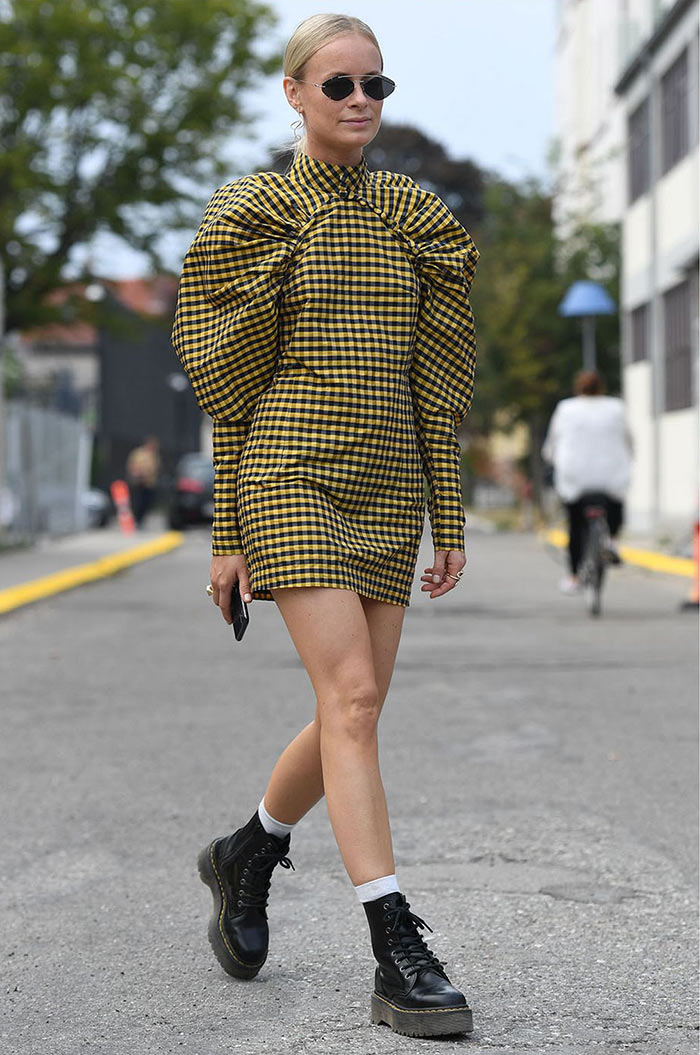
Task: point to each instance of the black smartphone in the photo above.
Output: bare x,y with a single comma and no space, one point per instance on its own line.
239,612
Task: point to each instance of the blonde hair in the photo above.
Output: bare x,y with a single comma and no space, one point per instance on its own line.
311,35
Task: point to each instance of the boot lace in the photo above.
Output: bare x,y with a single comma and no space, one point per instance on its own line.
254,890
409,951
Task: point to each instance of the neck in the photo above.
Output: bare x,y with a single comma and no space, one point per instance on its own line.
333,155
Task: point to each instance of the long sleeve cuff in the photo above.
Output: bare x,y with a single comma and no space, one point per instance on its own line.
440,453
229,438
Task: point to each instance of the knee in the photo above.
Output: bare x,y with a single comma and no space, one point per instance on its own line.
351,712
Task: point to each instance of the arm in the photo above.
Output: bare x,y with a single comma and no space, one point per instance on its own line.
440,454
549,445
229,439
444,357
442,383
628,438
226,325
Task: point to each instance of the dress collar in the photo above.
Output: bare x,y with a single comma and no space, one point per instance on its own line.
333,179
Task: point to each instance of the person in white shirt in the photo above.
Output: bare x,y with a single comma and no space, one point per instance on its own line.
589,445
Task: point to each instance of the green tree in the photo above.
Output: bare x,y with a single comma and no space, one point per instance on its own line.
112,117
527,353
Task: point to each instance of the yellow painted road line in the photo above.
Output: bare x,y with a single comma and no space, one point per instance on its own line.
643,558
79,574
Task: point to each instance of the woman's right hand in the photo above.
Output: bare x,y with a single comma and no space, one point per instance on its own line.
223,573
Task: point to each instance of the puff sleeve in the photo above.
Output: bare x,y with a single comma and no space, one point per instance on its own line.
444,358
226,322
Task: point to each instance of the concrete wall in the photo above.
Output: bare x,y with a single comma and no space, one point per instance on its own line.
678,468
637,393
589,117
661,238
596,42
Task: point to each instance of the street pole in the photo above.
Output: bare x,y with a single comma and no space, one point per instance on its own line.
589,349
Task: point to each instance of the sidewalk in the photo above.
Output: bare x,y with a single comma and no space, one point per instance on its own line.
639,552
53,565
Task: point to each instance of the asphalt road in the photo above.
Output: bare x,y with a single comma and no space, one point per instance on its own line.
542,781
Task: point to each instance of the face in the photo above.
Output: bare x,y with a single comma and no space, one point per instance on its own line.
336,132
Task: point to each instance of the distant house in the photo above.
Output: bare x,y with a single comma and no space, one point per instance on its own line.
120,374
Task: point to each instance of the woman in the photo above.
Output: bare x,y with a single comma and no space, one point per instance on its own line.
324,322
590,446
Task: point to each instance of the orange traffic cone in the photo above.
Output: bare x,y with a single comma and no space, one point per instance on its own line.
120,494
694,600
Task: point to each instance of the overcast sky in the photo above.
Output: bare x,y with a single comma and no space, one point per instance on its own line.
477,75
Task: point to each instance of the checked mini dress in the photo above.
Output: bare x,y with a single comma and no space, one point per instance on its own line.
324,322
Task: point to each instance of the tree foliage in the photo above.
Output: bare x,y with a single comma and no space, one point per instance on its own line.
112,115
527,352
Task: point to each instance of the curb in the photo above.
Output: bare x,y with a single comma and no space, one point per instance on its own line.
37,589
642,558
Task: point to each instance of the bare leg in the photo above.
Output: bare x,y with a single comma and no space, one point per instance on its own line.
296,783
331,631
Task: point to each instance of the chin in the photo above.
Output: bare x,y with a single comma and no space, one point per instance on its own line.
361,135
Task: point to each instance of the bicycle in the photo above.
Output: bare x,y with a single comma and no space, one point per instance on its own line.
597,552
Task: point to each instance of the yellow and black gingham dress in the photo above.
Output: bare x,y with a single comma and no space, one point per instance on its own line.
324,322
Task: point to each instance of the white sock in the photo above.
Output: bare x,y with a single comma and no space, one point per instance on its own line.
377,888
271,826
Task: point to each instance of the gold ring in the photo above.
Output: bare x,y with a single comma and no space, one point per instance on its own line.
455,577
210,590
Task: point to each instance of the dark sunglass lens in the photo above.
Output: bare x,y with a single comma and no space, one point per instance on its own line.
378,87
338,88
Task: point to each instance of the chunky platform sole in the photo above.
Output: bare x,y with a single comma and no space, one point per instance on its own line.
221,947
433,1022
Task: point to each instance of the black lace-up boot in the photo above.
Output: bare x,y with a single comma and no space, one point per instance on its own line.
237,869
412,993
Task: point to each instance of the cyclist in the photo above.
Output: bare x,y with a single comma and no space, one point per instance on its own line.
590,446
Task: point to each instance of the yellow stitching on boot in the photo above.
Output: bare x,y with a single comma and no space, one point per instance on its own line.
423,1011
221,914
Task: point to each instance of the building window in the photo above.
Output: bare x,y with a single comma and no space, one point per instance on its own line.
639,334
678,360
674,113
639,154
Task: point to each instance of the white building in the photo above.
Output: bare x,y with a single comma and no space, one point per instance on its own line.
627,98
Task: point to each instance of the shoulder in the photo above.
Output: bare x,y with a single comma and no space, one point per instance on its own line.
385,178
566,407
256,198
410,197
424,219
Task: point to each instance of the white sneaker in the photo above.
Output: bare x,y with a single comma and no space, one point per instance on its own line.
569,585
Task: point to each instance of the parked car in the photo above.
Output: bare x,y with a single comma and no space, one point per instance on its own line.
98,507
191,496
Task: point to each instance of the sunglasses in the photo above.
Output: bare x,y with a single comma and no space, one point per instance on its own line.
337,88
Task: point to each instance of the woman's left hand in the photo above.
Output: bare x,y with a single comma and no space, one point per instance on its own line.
436,579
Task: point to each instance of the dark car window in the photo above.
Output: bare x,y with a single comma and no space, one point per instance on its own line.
197,467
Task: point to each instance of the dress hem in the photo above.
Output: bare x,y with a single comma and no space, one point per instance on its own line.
262,593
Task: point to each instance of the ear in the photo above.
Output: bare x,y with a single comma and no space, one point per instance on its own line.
291,90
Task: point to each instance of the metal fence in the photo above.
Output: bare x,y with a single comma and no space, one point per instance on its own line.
46,472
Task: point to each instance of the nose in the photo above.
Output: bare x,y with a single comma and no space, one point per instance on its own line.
358,96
